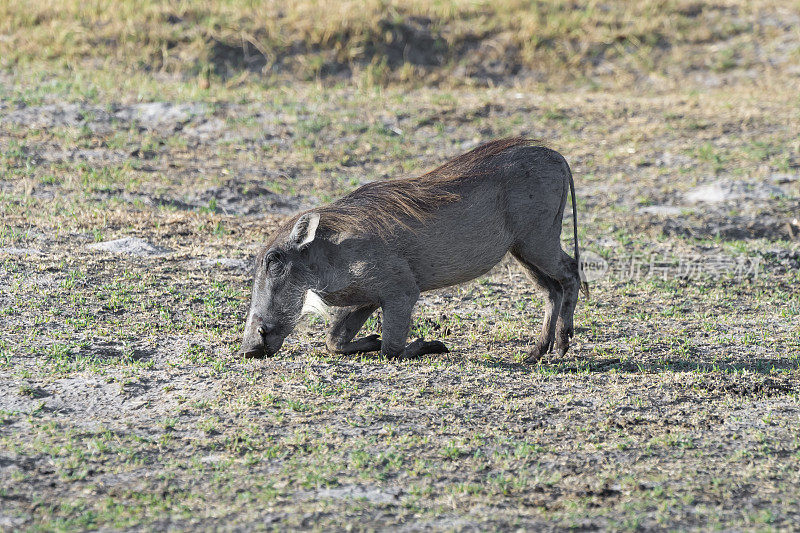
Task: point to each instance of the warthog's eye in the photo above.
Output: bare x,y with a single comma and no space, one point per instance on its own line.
273,260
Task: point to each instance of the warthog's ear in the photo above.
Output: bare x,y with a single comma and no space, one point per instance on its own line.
304,229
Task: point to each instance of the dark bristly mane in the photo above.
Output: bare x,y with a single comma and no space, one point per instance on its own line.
465,164
378,206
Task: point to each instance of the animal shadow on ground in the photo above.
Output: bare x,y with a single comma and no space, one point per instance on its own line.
111,352
729,366
765,383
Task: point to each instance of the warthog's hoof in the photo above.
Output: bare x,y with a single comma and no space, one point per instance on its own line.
539,351
562,346
419,347
532,358
436,347
370,343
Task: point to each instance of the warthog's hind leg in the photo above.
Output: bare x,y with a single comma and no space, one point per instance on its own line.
552,310
571,284
345,324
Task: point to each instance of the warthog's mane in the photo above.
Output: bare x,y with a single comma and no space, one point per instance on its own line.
381,206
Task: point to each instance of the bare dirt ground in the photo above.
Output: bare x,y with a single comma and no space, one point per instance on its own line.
128,230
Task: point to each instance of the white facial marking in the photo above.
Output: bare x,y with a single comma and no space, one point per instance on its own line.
313,304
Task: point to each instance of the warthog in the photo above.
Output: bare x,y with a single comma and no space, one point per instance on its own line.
387,241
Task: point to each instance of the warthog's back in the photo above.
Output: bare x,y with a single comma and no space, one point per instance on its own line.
516,195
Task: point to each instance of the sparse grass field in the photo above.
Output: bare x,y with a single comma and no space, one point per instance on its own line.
197,127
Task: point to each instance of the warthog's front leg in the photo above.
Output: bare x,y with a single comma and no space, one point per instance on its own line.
396,325
346,322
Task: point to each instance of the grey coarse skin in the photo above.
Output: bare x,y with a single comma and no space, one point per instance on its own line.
511,201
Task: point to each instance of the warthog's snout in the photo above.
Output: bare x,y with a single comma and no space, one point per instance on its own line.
256,352
263,342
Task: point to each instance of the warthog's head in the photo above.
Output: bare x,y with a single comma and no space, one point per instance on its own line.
282,278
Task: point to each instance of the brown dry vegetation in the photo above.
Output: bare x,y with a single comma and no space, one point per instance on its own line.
199,127
452,41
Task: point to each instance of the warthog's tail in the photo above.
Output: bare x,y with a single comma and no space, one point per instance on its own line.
584,284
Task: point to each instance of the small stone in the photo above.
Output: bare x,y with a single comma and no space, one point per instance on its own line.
20,251
726,191
664,210
130,246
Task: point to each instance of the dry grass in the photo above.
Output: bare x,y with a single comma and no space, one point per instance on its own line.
383,42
